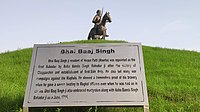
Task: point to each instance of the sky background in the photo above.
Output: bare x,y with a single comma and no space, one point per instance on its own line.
161,23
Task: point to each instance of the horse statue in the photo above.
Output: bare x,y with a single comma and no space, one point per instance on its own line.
99,32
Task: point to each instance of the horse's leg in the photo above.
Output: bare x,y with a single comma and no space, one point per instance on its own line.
103,37
104,34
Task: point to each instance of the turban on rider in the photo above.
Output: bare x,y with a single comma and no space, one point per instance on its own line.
98,11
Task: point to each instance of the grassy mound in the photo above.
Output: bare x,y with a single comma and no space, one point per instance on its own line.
173,81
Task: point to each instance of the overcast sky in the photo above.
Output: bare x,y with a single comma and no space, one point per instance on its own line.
163,23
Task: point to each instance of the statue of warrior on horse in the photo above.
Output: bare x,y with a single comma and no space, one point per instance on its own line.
99,29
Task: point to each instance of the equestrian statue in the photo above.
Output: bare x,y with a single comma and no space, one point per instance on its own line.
99,29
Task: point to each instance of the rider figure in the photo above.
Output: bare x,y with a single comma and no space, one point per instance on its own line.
97,20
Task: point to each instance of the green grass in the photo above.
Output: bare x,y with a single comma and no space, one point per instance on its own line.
173,81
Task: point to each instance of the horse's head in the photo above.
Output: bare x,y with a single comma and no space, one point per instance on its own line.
107,17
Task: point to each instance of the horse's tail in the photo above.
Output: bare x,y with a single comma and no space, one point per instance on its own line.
88,37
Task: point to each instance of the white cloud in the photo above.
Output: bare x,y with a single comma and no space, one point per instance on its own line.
175,26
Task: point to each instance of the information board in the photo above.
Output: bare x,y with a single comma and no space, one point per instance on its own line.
86,75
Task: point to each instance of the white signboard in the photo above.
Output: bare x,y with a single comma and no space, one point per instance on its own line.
86,75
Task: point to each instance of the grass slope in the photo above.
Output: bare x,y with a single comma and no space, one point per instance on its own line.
173,81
